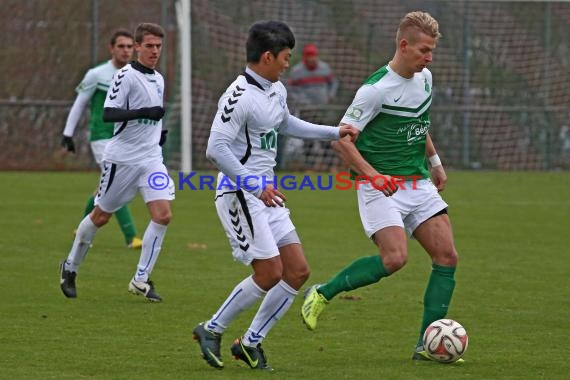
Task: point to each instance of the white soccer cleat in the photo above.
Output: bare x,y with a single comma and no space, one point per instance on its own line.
144,289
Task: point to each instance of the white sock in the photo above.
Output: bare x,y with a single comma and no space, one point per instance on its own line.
83,238
152,242
244,295
276,303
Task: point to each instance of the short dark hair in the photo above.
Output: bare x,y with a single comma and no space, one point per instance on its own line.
272,36
120,33
148,28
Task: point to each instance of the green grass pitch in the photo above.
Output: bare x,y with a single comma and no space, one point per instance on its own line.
512,292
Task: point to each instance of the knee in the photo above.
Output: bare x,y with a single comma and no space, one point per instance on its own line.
302,275
162,217
268,279
100,218
297,276
394,260
447,257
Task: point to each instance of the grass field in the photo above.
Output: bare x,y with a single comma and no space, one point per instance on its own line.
512,292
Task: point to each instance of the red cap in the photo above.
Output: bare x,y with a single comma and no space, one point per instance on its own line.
310,49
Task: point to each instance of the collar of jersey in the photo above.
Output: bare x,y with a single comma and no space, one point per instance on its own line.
139,67
398,75
258,80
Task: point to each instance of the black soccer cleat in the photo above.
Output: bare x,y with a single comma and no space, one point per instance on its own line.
67,281
209,342
253,356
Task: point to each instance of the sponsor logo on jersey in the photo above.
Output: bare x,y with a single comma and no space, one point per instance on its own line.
268,140
417,131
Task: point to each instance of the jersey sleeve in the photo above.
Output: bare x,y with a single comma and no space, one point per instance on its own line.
88,84
232,113
365,107
75,113
118,93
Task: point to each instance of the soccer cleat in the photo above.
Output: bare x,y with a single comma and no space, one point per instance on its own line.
313,306
253,356
422,355
136,243
209,342
145,289
67,281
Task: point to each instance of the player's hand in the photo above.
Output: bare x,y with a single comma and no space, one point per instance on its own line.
272,197
349,130
152,113
438,177
67,143
385,184
163,137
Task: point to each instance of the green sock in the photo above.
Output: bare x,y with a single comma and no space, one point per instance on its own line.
125,220
361,272
437,296
89,206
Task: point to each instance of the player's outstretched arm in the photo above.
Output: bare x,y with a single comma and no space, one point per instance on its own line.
295,127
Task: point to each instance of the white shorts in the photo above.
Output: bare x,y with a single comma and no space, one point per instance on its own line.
120,183
252,228
98,148
406,208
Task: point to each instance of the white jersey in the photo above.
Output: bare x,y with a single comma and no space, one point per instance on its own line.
251,112
135,141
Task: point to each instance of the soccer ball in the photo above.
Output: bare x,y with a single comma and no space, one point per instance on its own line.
445,340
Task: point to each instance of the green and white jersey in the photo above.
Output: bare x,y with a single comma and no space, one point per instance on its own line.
93,89
392,114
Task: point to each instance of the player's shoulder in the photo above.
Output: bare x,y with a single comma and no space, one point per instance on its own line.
237,95
378,77
95,75
376,82
426,73
385,80
103,70
127,69
127,73
246,87
280,87
103,65
238,88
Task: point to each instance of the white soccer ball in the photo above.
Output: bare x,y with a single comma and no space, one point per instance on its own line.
445,340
